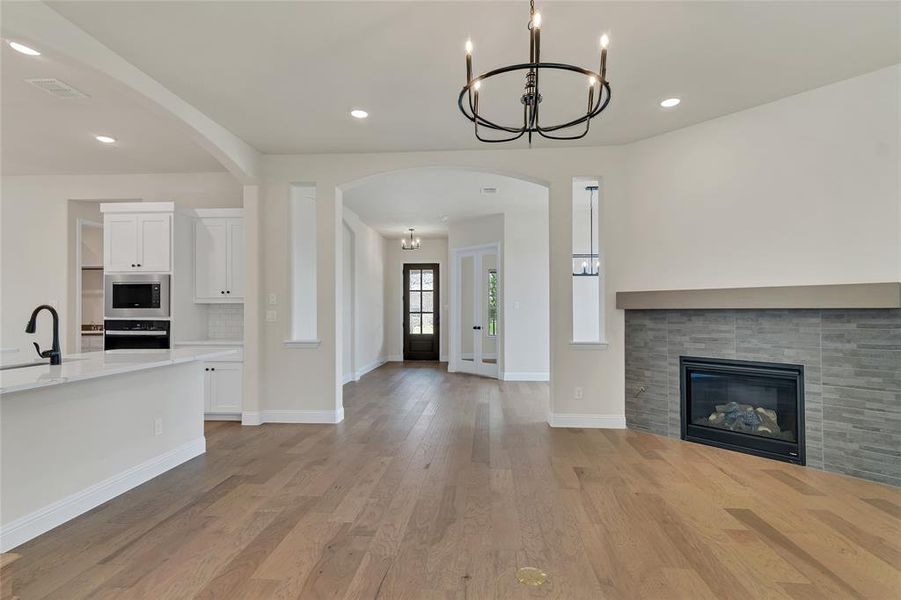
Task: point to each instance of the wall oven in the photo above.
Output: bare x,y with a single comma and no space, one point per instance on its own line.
136,296
122,334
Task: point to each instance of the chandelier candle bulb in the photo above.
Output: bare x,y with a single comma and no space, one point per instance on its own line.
605,41
468,61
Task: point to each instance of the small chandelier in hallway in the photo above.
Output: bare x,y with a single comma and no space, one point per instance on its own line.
411,244
598,94
588,265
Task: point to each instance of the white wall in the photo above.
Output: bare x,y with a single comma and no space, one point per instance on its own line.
368,265
37,243
827,160
433,250
804,190
526,296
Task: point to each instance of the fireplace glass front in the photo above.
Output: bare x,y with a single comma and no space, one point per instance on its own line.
748,406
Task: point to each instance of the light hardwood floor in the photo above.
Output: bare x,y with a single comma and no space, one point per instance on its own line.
441,486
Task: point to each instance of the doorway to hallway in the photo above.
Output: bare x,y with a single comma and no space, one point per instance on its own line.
421,314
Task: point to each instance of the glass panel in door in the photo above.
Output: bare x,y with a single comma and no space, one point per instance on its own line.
488,303
467,309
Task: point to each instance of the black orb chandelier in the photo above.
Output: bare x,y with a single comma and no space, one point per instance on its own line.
598,93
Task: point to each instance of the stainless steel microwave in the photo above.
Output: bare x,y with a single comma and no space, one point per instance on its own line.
135,296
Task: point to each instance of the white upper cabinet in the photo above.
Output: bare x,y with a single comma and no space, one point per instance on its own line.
135,241
219,257
155,242
120,244
210,249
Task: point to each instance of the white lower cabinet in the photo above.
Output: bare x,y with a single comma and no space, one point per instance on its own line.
223,382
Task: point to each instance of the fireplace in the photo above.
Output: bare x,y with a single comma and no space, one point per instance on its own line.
751,407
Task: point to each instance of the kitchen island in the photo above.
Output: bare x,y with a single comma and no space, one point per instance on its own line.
75,435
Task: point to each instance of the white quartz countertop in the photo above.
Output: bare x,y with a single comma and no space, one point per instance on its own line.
91,365
216,343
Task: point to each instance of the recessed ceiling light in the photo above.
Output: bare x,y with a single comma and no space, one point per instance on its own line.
105,139
359,113
22,48
670,102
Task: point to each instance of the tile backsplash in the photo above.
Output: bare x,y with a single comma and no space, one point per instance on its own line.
226,322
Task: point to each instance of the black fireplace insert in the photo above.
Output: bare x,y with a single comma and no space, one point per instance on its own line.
751,407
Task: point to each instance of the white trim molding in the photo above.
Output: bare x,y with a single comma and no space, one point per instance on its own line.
302,344
526,376
396,358
588,345
370,367
590,421
53,515
251,418
303,416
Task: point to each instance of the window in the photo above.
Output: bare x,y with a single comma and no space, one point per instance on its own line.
492,302
421,302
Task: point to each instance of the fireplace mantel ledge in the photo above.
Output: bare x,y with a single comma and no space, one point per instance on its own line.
837,296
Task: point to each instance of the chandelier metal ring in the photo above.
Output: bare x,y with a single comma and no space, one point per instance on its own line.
466,93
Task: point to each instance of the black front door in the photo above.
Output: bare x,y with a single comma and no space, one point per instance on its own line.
421,312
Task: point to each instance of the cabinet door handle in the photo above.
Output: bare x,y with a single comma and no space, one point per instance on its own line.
139,264
134,265
213,369
228,291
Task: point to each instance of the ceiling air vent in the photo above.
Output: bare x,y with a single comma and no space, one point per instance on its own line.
57,88
489,190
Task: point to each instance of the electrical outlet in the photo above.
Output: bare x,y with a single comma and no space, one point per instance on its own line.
273,299
578,394
158,426
271,316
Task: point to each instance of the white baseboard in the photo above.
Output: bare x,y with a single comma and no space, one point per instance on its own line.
591,421
370,367
396,358
53,515
221,417
526,376
250,418
347,378
302,416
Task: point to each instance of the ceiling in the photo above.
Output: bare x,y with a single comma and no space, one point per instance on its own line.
46,135
429,199
283,75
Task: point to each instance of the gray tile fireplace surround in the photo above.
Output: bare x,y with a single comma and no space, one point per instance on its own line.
852,373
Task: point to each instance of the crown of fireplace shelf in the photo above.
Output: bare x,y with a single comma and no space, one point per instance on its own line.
837,296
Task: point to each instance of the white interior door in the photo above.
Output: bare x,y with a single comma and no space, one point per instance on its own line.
478,296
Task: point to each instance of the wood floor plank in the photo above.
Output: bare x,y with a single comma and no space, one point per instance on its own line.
442,485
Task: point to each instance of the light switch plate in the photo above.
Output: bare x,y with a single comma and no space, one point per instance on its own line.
271,316
273,299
